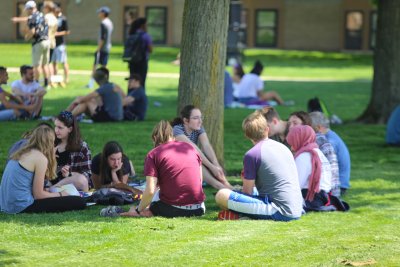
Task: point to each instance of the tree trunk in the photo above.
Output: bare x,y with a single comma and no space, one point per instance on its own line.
386,83
203,53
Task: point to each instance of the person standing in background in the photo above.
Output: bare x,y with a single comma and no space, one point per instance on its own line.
38,33
51,20
60,51
139,27
104,42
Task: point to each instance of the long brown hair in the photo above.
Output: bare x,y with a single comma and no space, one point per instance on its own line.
110,148
185,114
74,141
42,139
162,133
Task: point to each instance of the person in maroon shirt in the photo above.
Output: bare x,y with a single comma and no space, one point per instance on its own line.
175,167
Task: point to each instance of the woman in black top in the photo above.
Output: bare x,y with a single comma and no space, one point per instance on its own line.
111,166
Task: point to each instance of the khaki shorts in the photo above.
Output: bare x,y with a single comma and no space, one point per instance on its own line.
41,53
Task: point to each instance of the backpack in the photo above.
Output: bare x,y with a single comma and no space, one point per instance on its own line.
135,49
111,196
316,104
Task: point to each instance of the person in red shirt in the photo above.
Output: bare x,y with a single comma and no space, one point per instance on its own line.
175,168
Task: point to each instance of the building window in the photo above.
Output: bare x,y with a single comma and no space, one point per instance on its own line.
372,29
266,28
130,14
157,24
353,30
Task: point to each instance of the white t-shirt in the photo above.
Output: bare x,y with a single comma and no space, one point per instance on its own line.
249,85
303,164
25,87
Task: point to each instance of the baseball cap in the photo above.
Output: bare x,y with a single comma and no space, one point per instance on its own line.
30,5
104,9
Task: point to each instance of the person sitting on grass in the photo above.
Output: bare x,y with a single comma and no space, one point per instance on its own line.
29,91
269,166
393,128
313,167
103,104
22,184
303,118
72,153
278,128
11,107
251,88
175,167
111,167
189,128
321,124
135,103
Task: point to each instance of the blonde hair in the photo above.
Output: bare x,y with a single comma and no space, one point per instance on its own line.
162,133
42,138
254,126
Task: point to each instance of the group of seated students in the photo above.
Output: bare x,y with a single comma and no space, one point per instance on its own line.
276,184
108,103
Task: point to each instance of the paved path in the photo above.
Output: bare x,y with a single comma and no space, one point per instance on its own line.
176,76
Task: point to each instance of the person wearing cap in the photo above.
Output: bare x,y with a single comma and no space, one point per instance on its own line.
135,103
104,41
38,33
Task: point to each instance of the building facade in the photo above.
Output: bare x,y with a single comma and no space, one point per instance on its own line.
327,25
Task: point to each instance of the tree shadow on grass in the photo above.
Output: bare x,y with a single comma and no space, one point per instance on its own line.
7,258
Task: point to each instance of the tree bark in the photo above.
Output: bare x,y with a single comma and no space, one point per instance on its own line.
386,81
203,53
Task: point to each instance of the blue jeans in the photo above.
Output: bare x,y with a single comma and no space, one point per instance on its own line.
7,114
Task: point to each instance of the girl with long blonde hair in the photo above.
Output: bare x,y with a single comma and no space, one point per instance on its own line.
22,184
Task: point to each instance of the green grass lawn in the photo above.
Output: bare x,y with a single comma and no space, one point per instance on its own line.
368,232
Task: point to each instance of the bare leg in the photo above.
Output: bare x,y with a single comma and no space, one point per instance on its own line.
222,198
77,179
36,72
85,107
79,109
211,180
66,72
272,95
38,106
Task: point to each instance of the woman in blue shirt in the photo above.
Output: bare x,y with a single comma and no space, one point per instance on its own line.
22,184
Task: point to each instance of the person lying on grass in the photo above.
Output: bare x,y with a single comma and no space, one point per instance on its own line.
72,153
111,167
188,128
22,184
269,166
176,168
